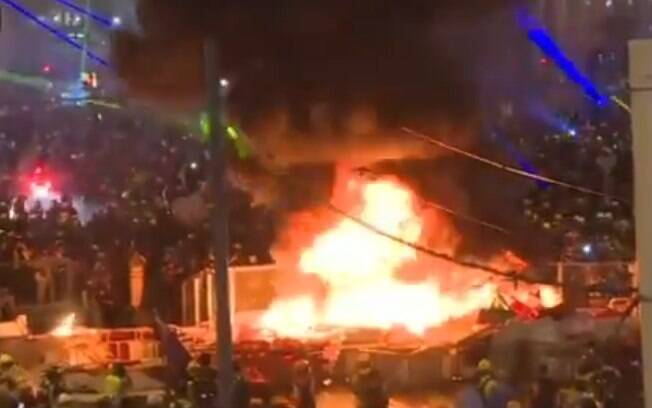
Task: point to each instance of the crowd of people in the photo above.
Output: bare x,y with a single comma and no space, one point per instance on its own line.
89,193
603,378
593,152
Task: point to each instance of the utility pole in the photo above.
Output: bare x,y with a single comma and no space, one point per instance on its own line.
640,79
220,227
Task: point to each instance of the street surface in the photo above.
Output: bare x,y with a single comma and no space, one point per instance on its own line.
330,398
343,399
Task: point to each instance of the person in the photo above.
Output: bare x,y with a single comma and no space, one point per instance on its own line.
241,388
14,380
303,387
117,384
486,380
11,374
368,386
203,379
544,390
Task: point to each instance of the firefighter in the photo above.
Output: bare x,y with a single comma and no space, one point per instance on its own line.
303,387
13,377
368,386
486,380
203,380
8,397
116,385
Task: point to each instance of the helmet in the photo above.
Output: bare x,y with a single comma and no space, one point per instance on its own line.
6,359
484,365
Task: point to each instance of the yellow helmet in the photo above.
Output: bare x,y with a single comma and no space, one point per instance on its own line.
484,365
6,359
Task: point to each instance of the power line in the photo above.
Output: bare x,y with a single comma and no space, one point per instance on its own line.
504,167
465,217
60,35
485,268
439,207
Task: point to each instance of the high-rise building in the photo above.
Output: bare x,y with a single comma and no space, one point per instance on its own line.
29,49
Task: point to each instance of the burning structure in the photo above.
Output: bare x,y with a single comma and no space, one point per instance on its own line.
353,277
364,271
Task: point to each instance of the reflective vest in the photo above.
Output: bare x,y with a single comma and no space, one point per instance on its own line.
116,386
487,386
15,377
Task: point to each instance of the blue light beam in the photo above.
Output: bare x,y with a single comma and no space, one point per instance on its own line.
98,18
60,35
538,35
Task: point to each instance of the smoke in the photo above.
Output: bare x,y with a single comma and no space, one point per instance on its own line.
318,81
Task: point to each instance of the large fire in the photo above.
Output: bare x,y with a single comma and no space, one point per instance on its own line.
366,280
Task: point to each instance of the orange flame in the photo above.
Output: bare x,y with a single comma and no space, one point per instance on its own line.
550,296
360,271
65,328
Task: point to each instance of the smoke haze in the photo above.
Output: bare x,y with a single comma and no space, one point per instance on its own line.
314,81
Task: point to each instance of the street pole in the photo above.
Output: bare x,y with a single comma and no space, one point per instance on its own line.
640,78
220,227
82,62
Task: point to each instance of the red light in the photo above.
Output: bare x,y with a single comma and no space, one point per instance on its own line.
47,68
543,61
